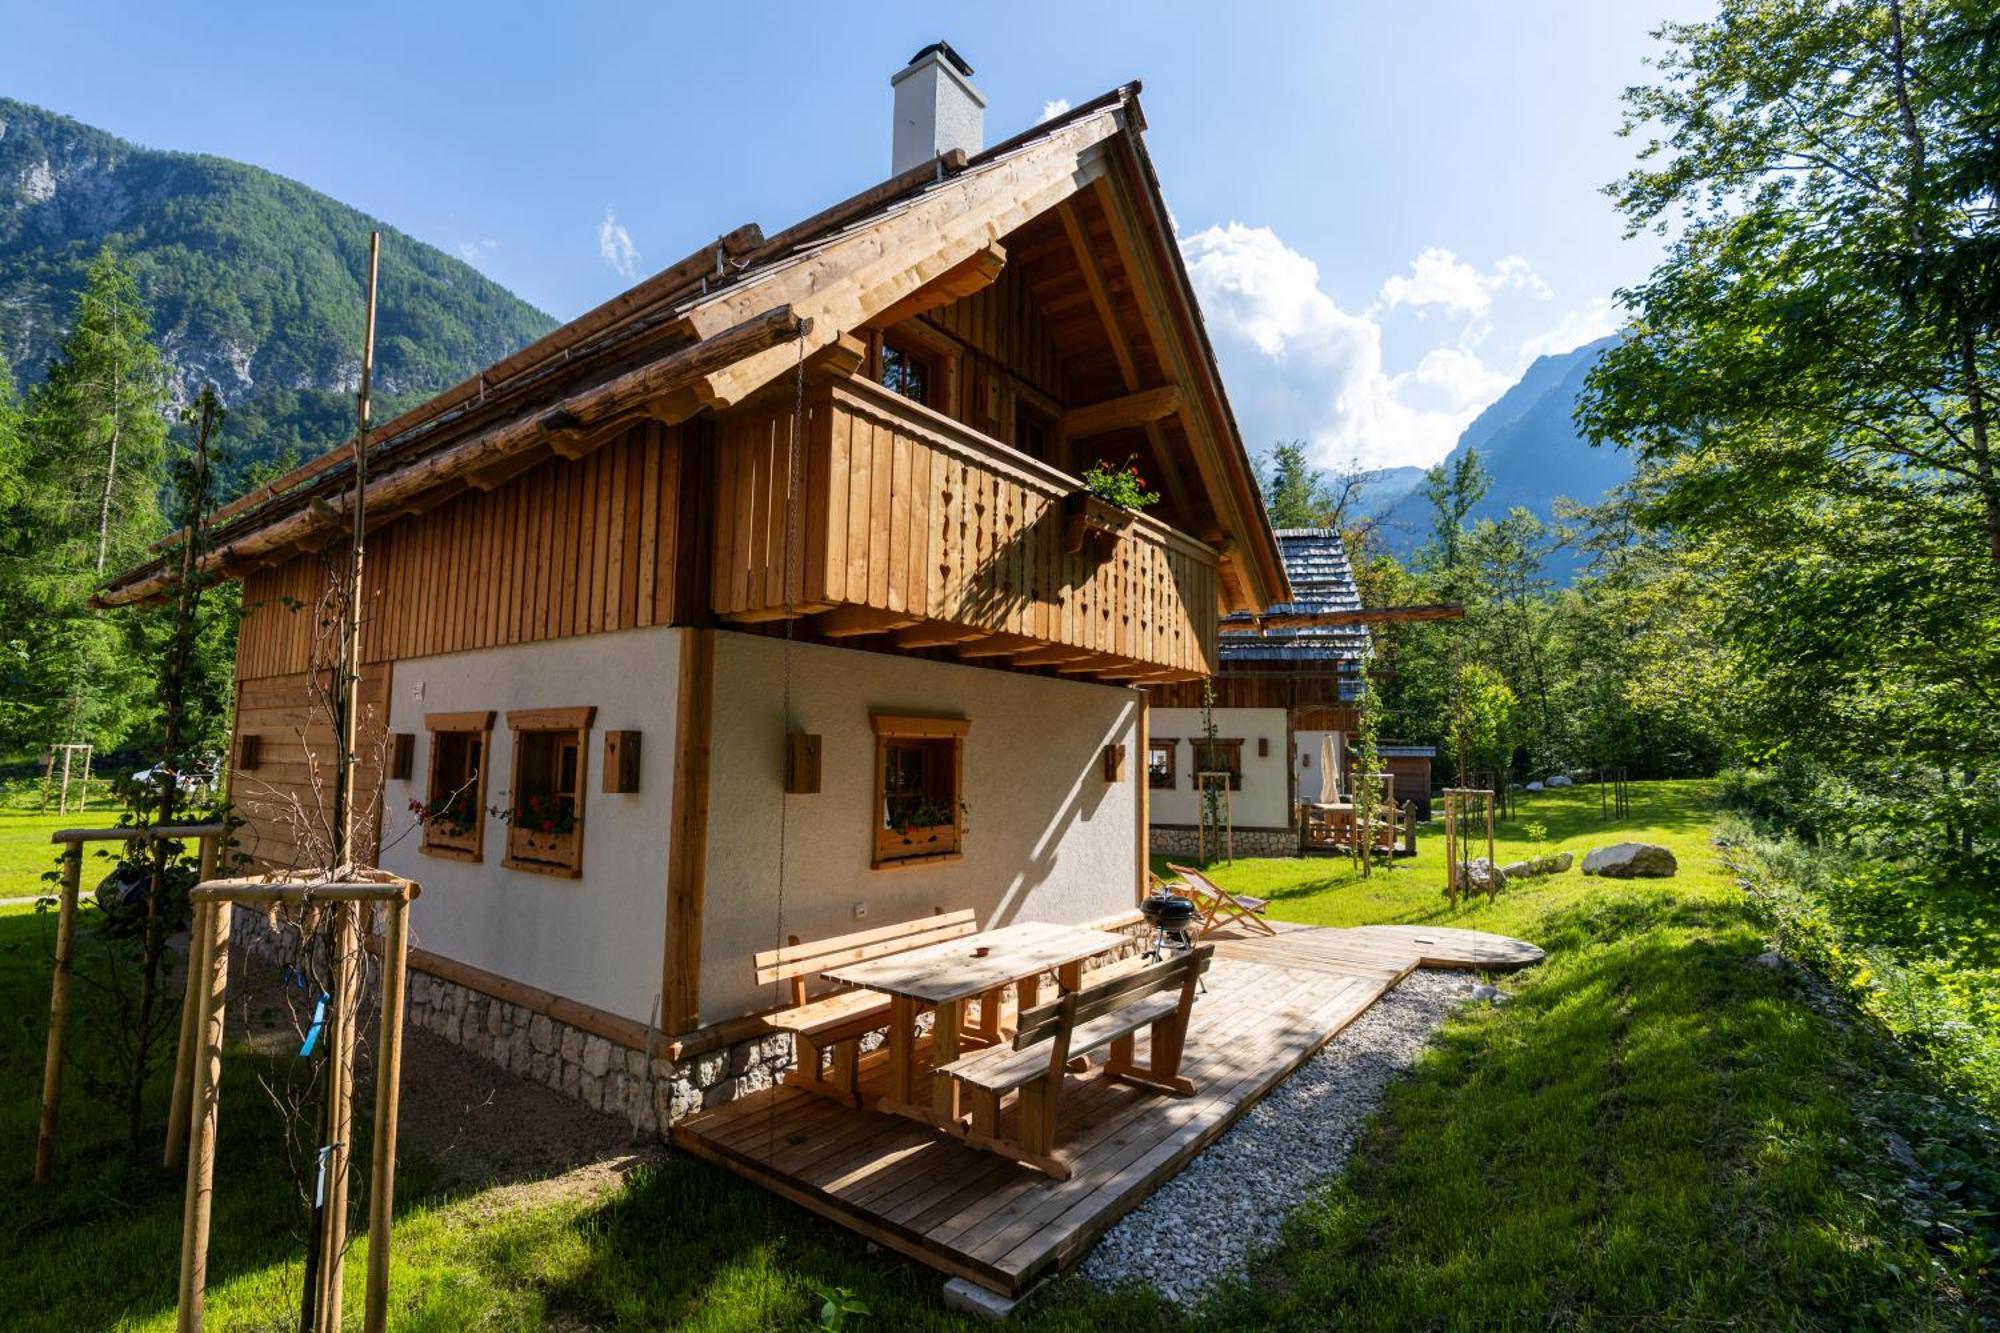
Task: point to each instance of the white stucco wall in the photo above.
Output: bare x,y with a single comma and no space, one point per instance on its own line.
1308,750
1264,800
599,938
1048,838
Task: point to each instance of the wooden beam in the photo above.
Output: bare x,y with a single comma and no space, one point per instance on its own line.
765,614
1382,615
840,358
938,634
687,854
1099,288
1121,413
1002,645
846,622
1057,655
1142,798
954,284
850,278
1229,479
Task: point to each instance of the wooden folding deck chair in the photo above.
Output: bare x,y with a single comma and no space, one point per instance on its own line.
1221,907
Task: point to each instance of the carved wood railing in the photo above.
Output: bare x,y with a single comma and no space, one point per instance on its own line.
909,513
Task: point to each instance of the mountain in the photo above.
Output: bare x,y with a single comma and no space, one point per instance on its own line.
1529,443
1382,488
255,282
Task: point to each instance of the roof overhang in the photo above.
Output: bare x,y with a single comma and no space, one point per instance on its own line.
710,331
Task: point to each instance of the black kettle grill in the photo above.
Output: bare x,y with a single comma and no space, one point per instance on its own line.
1171,919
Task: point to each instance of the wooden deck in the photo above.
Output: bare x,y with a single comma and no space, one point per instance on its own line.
1271,1003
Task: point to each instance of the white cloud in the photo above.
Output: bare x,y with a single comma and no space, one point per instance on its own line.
614,247
1438,277
477,252
1050,110
1301,366
1573,330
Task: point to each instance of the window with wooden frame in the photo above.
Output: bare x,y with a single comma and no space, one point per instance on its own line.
919,810
454,805
1035,432
545,803
910,371
1161,754
1220,756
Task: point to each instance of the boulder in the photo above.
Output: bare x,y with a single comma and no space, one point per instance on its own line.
1560,780
1484,876
1534,786
1630,860
1549,863
1518,869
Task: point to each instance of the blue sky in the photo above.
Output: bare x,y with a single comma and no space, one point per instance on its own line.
1388,209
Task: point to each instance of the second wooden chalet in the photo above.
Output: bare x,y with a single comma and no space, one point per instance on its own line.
1282,701
648,744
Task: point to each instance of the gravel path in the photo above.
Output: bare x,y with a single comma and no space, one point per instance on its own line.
1230,1200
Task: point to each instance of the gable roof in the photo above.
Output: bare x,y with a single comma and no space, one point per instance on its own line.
1322,580
714,328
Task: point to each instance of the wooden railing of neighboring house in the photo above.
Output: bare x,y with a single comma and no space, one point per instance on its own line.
916,520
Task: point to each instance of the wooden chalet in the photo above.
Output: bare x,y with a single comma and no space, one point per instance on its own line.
582,645
1287,686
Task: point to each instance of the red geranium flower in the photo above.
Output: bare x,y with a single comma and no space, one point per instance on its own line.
548,826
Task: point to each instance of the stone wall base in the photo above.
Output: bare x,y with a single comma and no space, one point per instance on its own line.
1181,840
604,1075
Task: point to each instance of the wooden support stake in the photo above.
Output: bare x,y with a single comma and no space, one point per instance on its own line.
343,1017
201,1128
45,1138
182,1099
388,1093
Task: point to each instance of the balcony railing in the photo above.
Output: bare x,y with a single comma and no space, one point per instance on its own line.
910,514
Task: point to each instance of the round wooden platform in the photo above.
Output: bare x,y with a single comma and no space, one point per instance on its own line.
1449,946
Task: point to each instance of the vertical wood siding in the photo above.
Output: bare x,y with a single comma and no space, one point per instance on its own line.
571,547
286,802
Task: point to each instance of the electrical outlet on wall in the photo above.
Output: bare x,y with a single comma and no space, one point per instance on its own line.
861,911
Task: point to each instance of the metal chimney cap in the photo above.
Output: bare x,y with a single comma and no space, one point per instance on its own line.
944,49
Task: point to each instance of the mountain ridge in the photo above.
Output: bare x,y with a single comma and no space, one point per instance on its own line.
1528,441
255,282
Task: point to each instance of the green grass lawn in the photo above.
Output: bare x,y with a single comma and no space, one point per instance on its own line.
1654,1133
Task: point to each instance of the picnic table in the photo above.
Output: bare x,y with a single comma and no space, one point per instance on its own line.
979,966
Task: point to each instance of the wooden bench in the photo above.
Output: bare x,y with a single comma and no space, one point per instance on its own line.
1108,1013
827,1031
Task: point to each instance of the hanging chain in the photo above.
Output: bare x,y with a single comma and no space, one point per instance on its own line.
791,621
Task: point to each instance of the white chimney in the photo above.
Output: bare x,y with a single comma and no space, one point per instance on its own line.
937,108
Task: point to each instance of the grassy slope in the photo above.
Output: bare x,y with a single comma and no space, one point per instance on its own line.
1652,1133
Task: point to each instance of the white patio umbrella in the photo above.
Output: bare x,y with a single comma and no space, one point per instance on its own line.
1329,771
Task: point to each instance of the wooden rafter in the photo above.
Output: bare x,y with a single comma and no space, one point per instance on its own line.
954,284
1133,409
846,622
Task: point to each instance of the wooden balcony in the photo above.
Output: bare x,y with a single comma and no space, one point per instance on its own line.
914,526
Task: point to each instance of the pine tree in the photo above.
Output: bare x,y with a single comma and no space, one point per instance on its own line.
98,427
91,459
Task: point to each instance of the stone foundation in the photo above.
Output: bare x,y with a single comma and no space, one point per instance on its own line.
1184,840
604,1075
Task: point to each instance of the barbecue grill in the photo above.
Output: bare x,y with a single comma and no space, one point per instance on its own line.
1171,919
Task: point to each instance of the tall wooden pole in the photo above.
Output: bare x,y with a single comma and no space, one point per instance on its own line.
345,810
45,1138
213,921
388,1092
